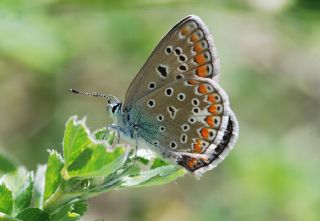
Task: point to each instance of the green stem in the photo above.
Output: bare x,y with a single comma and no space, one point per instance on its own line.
62,196
5,217
58,199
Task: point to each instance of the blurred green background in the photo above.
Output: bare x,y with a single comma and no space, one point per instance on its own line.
270,58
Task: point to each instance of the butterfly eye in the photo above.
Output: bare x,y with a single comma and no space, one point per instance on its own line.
109,101
114,108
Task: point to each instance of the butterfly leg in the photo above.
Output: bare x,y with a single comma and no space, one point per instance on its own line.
115,128
135,136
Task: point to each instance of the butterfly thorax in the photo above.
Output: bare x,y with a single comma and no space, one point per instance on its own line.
133,123
125,120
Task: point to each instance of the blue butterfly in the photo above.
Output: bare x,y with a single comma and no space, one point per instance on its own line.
175,104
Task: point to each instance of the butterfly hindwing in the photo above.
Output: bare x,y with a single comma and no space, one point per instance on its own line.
188,117
200,164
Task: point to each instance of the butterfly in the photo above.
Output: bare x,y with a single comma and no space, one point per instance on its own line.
175,104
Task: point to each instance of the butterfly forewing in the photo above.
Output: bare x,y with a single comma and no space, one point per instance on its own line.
187,50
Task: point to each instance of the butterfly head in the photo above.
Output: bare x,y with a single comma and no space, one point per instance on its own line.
113,105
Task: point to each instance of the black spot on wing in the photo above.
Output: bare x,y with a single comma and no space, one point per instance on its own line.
162,70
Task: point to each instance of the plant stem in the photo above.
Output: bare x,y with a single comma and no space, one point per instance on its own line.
58,199
5,217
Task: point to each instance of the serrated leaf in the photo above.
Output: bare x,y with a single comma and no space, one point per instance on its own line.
33,214
75,139
104,134
21,184
38,186
6,201
101,163
158,176
69,212
52,175
86,157
82,160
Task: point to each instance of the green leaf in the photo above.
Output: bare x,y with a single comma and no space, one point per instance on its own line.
38,186
6,201
23,200
82,160
91,166
6,165
101,162
21,185
104,134
166,175
69,212
158,163
52,175
158,176
142,160
33,214
76,138
86,157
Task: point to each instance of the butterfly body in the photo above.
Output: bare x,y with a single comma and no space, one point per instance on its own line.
175,104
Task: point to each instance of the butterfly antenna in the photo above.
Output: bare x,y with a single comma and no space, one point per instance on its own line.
94,94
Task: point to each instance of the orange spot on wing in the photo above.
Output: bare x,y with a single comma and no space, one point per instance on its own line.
191,162
205,133
194,38
197,146
200,59
197,48
211,98
210,121
185,31
202,71
202,89
212,109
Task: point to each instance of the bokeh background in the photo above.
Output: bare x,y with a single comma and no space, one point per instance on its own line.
270,57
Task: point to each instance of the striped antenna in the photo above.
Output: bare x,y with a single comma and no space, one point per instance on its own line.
94,94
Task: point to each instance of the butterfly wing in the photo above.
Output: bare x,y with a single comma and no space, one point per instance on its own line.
190,120
187,50
181,109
